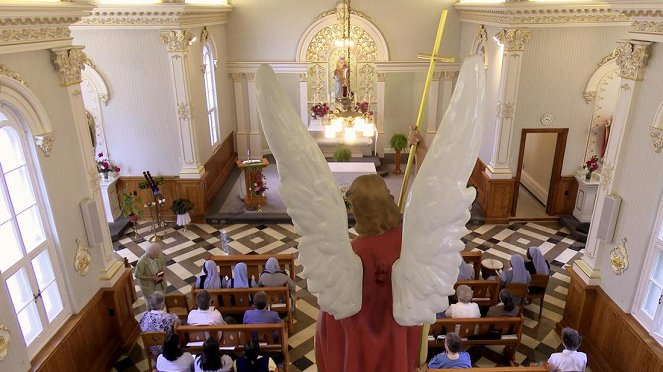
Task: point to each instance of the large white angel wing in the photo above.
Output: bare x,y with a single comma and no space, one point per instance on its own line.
436,210
313,201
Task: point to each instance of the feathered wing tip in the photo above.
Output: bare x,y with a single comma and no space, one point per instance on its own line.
313,201
436,210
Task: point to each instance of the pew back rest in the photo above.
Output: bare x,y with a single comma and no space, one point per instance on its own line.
484,292
255,264
238,300
509,328
272,337
494,369
473,258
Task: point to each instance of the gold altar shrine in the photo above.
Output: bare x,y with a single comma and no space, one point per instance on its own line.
254,182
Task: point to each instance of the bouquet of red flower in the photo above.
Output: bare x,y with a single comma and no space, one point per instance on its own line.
259,184
363,108
590,166
319,110
104,166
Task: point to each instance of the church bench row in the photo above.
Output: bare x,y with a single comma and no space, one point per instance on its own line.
484,292
273,338
255,263
234,301
505,331
543,368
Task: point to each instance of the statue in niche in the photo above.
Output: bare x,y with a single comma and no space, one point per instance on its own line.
341,78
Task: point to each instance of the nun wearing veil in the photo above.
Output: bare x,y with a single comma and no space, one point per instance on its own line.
537,264
240,278
209,278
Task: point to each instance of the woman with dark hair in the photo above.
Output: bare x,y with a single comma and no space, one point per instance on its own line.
505,308
252,361
211,359
452,356
173,359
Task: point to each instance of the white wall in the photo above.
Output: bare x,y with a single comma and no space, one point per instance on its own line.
141,129
638,181
538,159
557,63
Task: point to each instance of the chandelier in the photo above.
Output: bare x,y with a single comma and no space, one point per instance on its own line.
346,120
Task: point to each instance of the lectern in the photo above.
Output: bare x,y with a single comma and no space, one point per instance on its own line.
254,198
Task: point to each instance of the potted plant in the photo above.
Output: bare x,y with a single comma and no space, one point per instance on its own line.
181,208
398,142
130,208
342,153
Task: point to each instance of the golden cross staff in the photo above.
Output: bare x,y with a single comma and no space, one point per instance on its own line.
422,105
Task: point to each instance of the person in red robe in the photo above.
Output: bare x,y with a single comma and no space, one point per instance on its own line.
370,340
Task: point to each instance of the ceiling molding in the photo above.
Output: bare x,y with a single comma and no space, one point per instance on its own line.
158,16
647,20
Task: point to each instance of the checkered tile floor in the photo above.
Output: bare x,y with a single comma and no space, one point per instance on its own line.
186,249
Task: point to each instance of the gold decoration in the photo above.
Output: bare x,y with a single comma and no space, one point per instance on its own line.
176,41
656,135
619,258
505,110
322,44
613,55
5,336
606,175
183,110
5,71
632,59
82,259
523,16
513,40
45,142
69,62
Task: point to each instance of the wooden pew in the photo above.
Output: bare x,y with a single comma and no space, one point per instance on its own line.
234,301
484,292
473,258
509,329
543,368
255,263
273,338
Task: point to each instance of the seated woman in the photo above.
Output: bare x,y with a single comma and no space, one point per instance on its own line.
570,359
536,263
505,308
273,276
252,361
211,359
173,359
260,315
464,308
240,278
516,274
209,278
466,271
156,319
452,356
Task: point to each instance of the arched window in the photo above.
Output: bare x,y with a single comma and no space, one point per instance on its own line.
210,94
26,243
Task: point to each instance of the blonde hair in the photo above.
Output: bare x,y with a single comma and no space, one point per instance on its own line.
372,205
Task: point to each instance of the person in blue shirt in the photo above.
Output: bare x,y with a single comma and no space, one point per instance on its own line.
452,357
260,315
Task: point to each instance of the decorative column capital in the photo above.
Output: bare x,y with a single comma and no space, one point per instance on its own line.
449,75
633,58
656,135
250,76
382,77
302,77
236,76
505,110
437,75
68,63
176,41
513,39
45,142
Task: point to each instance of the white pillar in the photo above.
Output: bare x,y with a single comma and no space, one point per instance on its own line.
303,98
68,63
379,115
177,44
632,61
240,112
255,139
513,44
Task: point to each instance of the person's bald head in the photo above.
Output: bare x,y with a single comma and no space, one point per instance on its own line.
153,250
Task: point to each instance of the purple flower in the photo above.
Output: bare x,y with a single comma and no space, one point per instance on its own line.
101,154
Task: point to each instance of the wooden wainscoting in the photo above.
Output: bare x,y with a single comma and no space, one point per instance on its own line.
494,196
201,191
93,339
613,340
564,192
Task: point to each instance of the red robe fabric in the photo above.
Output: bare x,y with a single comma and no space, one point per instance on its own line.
370,340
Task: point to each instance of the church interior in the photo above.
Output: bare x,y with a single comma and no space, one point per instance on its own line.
128,122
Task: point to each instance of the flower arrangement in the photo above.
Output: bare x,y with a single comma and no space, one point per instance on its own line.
319,110
181,206
104,166
590,166
259,184
363,108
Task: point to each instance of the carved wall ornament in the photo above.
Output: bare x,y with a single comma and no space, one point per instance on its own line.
526,16
382,77
322,44
513,39
619,258
606,175
589,96
5,336
625,87
613,55
45,142
176,41
302,77
656,135
437,75
316,82
343,8
650,27
20,29
183,16
183,110
250,76
479,40
68,63
204,35
448,75
5,71
82,259
93,179
632,59
237,76
505,110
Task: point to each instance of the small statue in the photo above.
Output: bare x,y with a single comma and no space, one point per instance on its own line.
341,78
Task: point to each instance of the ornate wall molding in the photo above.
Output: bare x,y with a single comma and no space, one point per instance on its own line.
589,96
156,16
479,40
5,71
656,135
176,41
513,39
302,77
382,77
437,75
68,63
5,336
183,111
250,76
82,259
45,142
613,55
632,59
606,175
505,110
539,15
340,7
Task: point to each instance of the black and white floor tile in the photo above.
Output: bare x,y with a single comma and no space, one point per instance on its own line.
186,251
